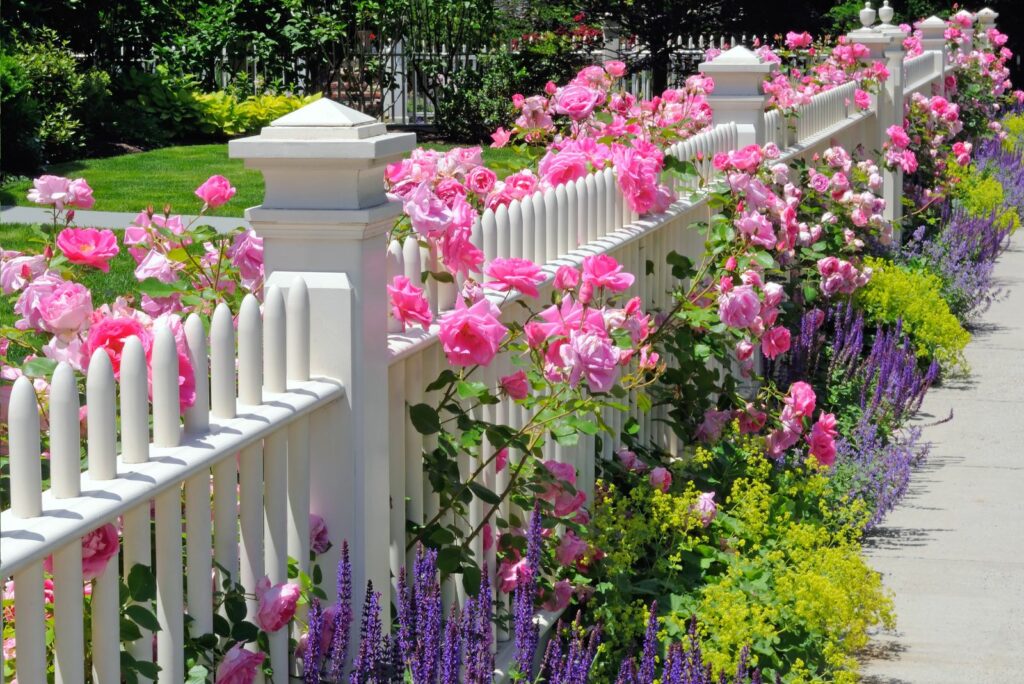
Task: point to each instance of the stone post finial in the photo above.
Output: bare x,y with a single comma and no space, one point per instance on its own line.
738,96
867,15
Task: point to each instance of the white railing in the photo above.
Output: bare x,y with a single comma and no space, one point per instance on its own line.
825,111
249,518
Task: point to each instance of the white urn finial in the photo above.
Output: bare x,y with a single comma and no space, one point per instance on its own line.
867,15
885,13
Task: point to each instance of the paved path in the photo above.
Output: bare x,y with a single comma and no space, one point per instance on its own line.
953,552
104,219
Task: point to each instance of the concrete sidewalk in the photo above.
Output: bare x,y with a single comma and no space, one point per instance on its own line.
953,551
104,219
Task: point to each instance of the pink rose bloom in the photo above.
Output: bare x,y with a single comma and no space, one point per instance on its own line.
795,40
239,666
577,101
898,136
471,336
822,439
661,479
156,265
319,540
631,461
109,334
516,385
861,99
751,419
744,350
775,342
514,274
215,191
98,547
30,302
501,459
706,508
615,68
739,307
801,398
780,440
512,573
747,159
459,254
565,501
429,214
88,246
570,549
559,168
449,189
276,604
710,429
560,597
500,137
66,309
16,270
481,180
521,184
566,278
408,304
601,270
61,192
590,355
488,534
246,253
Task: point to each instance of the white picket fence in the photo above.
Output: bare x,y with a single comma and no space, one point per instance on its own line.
305,423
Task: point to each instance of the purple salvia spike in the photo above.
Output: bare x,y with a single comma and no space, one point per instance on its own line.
650,648
342,617
311,658
451,651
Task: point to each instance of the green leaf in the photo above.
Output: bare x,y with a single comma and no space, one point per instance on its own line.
221,627
245,631
448,559
484,493
129,631
765,259
151,670
445,378
471,390
425,419
442,276
39,368
156,288
234,605
141,616
197,675
471,579
141,583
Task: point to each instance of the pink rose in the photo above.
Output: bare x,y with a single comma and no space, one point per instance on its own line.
801,398
516,385
109,334
246,253
822,439
319,540
429,214
577,101
780,440
16,271
795,40
30,302
215,191
408,304
514,274
899,137
566,278
706,508
738,307
61,192
601,270
156,265
559,168
558,492
615,68
631,461
276,604
88,246
98,547
570,549
239,666
511,573
66,309
661,479
501,459
471,335
449,189
710,429
500,137
775,342
747,159
861,99
590,355
560,596
819,182
481,180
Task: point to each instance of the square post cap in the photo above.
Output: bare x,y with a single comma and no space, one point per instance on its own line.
736,72
987,17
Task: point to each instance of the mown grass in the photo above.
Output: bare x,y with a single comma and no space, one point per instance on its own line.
130,182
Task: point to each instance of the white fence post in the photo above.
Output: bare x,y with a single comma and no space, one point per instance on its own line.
738,96
888,102
933,40
986,19
325,215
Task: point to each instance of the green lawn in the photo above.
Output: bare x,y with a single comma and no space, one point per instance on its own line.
132,181
169,175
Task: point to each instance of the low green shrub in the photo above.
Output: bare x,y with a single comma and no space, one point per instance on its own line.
981,194
898,292
224,115
778,568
